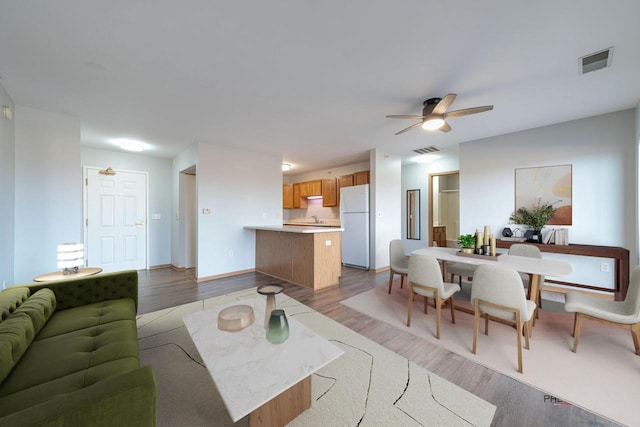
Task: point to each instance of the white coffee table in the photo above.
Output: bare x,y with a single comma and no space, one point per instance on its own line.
271,383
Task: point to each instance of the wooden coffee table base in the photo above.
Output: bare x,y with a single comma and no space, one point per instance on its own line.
283,408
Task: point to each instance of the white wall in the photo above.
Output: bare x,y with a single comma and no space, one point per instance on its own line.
48,189
240,188
159,199
416,176
602,151
386,221
7,194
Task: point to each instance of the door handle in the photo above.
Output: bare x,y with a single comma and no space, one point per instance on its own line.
140,224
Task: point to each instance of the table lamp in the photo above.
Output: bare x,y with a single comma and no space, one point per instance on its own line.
70,257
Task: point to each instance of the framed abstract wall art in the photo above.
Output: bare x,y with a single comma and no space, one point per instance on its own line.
547,185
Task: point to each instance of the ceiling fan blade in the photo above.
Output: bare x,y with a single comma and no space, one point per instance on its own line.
444,104
408,129
468,111
402,116
445,127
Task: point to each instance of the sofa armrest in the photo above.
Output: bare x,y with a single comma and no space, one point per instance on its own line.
129,399
91,289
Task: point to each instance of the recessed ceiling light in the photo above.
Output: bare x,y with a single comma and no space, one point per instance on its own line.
286,167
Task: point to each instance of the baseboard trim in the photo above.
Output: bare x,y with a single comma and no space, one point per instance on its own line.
158,267
222,276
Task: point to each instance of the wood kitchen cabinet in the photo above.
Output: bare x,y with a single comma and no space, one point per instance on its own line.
287,196
298,201
360,178
311,188
345,181
329,192
356,178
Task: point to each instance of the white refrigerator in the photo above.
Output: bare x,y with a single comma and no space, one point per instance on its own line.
354,218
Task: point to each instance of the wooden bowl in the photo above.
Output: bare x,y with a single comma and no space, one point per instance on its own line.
235,318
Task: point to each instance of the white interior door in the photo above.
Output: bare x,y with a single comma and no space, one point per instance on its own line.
116,220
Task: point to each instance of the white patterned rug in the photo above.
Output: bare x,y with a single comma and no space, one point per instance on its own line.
602,377
368,386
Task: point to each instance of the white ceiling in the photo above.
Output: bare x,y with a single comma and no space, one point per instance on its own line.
313,81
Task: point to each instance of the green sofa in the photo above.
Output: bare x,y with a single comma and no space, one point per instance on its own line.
69,354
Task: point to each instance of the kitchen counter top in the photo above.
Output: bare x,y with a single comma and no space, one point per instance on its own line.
294,228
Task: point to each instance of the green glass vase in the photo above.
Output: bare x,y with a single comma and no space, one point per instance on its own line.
278,330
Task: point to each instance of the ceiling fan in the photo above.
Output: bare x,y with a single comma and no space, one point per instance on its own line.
435,113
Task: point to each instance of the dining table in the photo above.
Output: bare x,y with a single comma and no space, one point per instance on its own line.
534,267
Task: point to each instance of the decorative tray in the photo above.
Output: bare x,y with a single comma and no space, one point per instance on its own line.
488,257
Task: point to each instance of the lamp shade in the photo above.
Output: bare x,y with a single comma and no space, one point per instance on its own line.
70,257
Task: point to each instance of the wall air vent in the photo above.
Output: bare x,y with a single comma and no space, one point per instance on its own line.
595,61
427,150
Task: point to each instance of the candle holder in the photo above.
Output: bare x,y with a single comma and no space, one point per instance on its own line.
270,291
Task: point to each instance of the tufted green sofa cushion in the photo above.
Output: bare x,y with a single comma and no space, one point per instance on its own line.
39,307
16,333
20,327
10,300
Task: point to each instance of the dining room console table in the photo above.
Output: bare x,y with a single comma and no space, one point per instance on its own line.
618,254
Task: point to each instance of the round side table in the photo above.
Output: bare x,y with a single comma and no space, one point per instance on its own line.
270,291
59,275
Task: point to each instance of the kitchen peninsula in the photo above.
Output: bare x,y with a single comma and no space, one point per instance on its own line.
305,255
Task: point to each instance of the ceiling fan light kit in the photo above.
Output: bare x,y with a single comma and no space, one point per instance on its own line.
434,114
432,122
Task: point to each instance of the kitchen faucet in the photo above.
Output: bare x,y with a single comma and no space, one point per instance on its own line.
315,217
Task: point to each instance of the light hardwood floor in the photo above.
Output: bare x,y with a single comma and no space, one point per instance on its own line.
517,404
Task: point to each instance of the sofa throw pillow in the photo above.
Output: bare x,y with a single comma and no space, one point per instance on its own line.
11,299
39,307
16,334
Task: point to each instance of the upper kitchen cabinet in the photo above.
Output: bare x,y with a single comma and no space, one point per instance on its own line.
329,192
356,178
287,196
311,188
360,178
345,181
298,201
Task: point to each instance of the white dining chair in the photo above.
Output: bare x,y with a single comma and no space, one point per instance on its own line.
425,278
619,313
498,292
398,263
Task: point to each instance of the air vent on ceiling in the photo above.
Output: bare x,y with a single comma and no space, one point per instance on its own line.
596,61
427,150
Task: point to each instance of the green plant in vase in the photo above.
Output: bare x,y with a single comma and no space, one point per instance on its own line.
535,218
467,242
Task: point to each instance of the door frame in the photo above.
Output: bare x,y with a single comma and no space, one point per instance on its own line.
430,190
85,209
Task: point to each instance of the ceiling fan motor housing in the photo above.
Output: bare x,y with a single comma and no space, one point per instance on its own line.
429,105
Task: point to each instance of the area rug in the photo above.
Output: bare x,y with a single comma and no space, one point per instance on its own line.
368,386
602,377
